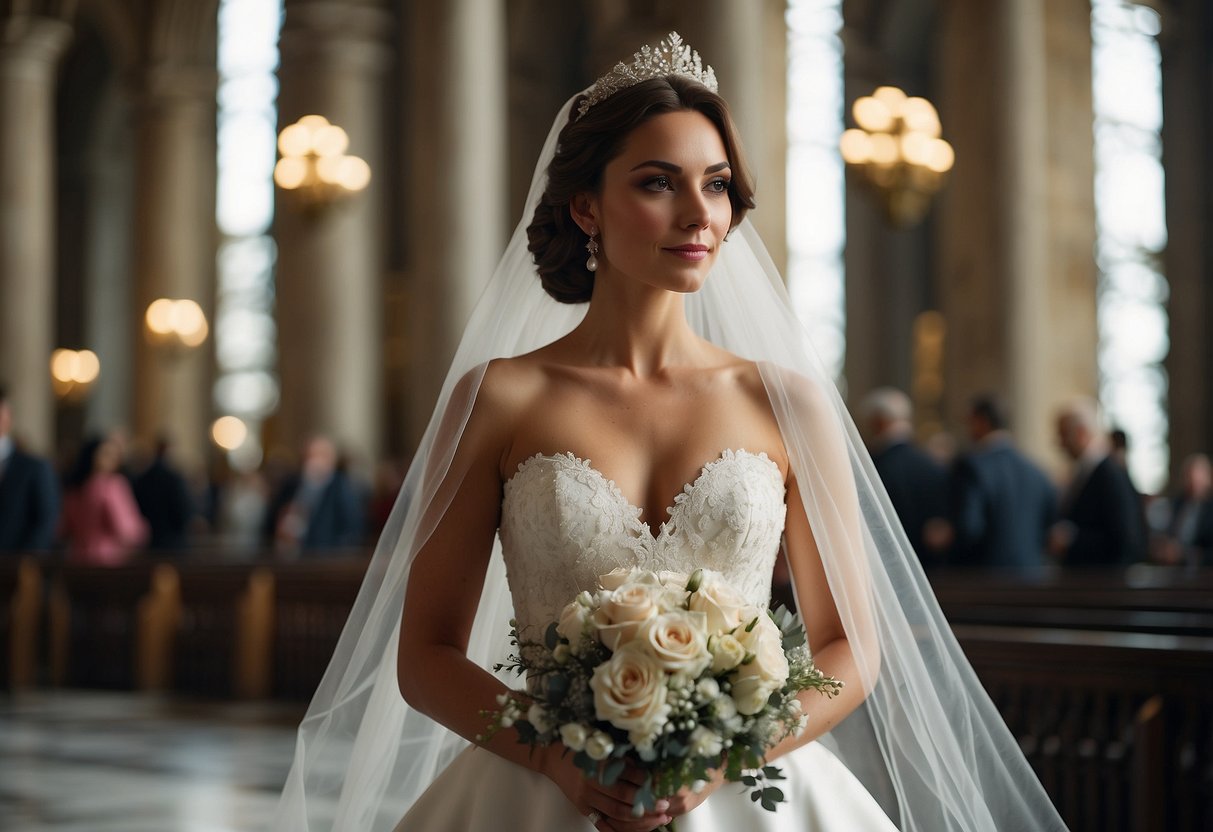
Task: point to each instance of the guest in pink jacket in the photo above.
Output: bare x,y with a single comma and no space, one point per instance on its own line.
101,520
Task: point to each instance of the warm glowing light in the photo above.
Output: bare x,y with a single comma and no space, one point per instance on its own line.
160,316
891,97
856,146
295,140
229,432
176,322
872,115
330,140
884,149
941,156
354,174
314,165
896,151
920,115
73,372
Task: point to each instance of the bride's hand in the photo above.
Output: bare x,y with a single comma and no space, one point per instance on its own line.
612,804
687,799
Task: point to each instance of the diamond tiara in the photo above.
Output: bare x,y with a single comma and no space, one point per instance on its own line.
670,57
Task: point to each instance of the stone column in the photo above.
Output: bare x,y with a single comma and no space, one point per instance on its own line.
1187,134
1016,225
30,48
174,250
330,263
457,182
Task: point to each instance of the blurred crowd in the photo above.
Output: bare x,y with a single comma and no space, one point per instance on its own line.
983,502
987,503
112,499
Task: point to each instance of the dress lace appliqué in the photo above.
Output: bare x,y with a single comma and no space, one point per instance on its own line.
563,524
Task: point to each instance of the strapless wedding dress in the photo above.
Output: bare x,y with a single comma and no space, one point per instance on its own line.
563,524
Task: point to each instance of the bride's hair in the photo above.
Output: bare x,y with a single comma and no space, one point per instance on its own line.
584,148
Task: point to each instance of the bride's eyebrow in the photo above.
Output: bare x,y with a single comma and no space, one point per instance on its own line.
672,168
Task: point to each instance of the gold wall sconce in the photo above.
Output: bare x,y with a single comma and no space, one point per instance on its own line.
897,153
73,373
315,170
176,325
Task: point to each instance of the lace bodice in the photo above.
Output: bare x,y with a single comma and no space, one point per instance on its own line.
563,524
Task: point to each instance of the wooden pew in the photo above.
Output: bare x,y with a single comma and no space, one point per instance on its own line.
21,589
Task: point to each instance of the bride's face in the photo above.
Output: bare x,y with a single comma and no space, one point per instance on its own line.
663,208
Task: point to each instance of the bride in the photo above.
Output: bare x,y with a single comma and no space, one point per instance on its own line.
665,414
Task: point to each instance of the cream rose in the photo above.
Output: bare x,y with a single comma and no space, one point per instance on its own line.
630,691
766,671
573,619
727,653
751,694
616,578
678,641
622,611
722,604
765,642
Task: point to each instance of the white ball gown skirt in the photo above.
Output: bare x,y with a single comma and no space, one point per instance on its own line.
481,792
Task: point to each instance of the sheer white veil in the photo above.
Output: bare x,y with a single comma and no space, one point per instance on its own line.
927,742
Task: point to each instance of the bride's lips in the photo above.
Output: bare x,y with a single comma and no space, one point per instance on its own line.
693,252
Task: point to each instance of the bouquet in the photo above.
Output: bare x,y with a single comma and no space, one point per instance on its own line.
675,674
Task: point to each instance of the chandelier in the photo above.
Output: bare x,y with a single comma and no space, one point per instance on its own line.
315,170
175,325
73,373
896,152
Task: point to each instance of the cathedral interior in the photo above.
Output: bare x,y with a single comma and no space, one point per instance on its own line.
239,236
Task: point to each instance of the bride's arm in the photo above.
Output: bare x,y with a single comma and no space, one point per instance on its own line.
444,587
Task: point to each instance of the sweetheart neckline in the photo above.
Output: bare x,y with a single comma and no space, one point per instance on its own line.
642,526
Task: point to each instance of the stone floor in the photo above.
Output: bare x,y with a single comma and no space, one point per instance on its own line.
75,761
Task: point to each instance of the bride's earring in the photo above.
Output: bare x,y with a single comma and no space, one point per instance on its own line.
591,263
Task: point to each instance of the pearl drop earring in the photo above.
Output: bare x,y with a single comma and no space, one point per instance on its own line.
591,263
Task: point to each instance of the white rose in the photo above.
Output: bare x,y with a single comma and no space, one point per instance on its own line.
678,640
765,642
722,604
630,691
705,742
572,622
574,735
618,577
538,717
623,610
727,653
561,653
599,746
751,694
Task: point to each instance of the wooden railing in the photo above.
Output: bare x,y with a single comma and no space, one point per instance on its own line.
1105,678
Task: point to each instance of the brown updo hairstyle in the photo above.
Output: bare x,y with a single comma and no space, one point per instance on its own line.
584,148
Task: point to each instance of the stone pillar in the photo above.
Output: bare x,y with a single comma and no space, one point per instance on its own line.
330,263
174,250
1016,224
1187,134
746,43
457,179
30,48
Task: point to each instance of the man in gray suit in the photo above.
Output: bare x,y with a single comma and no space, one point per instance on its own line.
1002,503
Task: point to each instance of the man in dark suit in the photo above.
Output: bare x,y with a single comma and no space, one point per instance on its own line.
29,494
164,500
1102,522
1188,535
917,484
1002,504
319,508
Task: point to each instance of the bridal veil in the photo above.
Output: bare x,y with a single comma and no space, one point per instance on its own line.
927,742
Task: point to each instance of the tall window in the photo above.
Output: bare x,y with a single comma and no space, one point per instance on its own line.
1131,231
246,387
816,184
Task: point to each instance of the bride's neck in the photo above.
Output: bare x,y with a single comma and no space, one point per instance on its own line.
637,328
